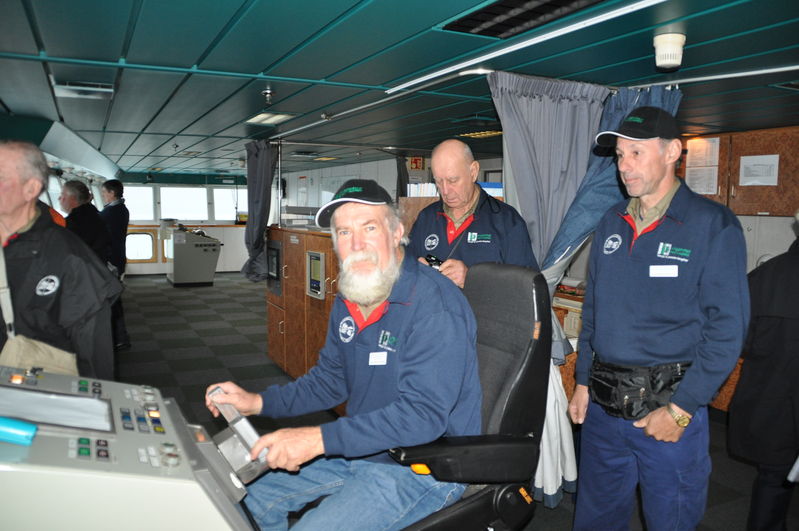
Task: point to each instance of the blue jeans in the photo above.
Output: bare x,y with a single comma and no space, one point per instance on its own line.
615,456
360,495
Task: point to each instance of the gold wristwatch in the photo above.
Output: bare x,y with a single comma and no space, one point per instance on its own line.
681,420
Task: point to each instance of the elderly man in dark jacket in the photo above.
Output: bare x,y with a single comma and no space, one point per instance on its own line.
60,291
764,412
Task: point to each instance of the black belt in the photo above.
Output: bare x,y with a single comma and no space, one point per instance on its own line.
633,392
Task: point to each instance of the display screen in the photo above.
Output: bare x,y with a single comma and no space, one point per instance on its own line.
315,273
56,409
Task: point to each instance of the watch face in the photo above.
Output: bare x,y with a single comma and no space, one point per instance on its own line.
682,421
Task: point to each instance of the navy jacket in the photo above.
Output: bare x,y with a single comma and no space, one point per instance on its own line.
85,221
116,218
62,294
675,293
497,234
408,378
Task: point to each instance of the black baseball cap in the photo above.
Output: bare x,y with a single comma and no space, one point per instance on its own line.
355,191
643,123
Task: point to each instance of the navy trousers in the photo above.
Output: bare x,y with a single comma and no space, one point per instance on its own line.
615,456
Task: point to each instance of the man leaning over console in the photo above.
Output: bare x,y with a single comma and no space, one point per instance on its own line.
400,350
467,226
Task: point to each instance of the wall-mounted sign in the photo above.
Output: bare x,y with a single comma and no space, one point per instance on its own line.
416,163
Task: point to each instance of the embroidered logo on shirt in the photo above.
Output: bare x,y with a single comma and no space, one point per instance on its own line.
387,341
47,286
346,329
473,237
431,242
667,250
611,244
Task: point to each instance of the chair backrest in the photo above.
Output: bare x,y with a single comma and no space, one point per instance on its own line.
514,338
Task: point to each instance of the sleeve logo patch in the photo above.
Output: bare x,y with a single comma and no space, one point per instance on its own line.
431,242
47,286
611,244
346,329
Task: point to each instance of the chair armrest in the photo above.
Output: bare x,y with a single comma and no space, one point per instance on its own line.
475,459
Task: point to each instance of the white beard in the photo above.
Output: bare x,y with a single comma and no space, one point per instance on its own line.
366,289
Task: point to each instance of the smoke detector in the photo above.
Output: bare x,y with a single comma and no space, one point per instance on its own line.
668,50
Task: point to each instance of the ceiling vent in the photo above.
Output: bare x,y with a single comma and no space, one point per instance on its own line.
82,90
506,18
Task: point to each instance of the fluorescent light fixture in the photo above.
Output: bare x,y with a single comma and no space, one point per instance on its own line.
269,118
324,159
604,17
481,134
86,91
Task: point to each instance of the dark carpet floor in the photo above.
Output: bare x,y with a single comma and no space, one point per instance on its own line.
184,339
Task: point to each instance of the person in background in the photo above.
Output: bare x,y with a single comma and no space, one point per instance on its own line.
467,226
401,351
764,411
665,312
116,217
61,292
83,218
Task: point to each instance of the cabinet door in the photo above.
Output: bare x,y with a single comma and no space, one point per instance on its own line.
294,293
276,335
780,200
276,234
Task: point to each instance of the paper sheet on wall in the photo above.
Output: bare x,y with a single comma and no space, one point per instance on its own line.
703,180
702,152
759,170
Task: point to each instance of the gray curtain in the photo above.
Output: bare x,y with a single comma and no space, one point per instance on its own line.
261,161
549,126
402,176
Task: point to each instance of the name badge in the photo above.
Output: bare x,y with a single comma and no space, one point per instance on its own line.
378,358
663,271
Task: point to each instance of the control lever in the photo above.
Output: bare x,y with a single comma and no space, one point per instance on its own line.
236,441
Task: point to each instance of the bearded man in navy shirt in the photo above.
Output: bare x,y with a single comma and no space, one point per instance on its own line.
401,352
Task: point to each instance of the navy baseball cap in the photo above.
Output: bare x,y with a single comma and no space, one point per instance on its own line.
643,123
356,191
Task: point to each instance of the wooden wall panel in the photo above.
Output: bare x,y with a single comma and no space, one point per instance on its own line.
780,200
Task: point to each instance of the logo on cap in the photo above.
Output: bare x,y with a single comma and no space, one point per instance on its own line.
635,119
351,189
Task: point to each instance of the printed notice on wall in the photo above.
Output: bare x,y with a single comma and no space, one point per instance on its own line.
702,152
703,180
702,165
760,170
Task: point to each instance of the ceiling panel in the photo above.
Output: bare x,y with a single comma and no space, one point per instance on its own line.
336,57
139,97
163,24
196,96
269,30
15,31
83,29
25,90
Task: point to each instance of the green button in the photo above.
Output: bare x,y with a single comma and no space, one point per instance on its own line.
83,383
83,452
83,389
84,441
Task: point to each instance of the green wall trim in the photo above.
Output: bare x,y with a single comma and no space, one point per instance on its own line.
182,178
24,128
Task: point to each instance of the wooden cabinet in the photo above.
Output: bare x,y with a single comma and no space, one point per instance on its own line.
297,322
780,200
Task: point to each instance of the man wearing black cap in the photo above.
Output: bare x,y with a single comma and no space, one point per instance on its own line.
401,352
664,317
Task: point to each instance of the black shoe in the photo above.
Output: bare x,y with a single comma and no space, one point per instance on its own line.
121,346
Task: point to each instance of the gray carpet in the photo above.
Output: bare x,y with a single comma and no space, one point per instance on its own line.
184,339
